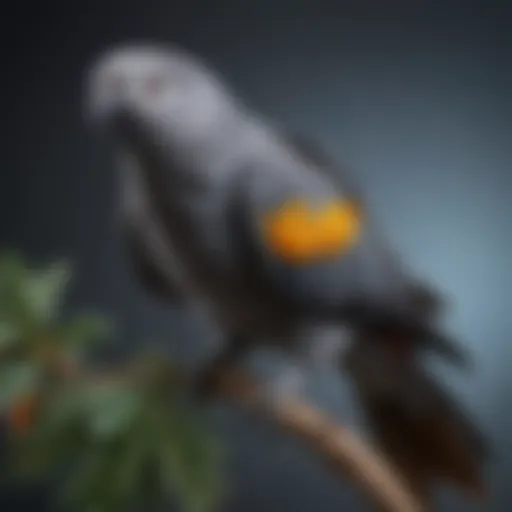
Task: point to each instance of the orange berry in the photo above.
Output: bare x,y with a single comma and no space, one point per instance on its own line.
22,415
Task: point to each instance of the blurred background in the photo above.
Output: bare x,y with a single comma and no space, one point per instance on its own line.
413,95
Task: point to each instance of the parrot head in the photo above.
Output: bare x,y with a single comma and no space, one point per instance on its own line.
155,90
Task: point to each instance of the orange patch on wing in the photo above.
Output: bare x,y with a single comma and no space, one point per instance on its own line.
302,233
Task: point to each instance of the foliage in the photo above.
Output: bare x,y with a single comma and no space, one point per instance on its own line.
120,441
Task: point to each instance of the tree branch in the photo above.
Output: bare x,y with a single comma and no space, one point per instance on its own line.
349,456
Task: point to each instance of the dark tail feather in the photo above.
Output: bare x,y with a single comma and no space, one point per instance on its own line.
425,301
416,423
380,319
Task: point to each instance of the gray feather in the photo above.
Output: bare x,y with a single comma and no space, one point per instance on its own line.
151,255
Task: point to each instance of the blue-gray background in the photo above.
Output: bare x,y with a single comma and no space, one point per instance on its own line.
414,95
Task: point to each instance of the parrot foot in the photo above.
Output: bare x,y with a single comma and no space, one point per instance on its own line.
203,385
328,348
321,346
288,384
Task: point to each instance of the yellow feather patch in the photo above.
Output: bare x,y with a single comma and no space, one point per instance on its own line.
301,233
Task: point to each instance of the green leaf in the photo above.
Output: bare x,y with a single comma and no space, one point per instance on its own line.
13,275
43,292
88,487
85,331
130,464
66,408
12,268
9,335
111,474
58,437
112,409
190,461
17,380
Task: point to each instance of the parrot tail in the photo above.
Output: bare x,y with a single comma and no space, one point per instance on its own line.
415,422
408,324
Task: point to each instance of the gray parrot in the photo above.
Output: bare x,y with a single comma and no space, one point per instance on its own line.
273,239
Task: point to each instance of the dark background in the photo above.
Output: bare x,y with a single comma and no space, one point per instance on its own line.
414,95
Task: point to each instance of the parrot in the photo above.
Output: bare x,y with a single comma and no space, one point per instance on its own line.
274,241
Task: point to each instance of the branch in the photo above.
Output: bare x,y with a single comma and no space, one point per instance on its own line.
344,452
348,455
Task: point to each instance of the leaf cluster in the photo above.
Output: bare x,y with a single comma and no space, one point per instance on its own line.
112,442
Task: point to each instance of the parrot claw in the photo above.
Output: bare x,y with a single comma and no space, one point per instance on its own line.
288,384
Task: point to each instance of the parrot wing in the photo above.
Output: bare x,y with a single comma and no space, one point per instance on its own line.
276,216
343,180
149,265
424,299
302,238
150,254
